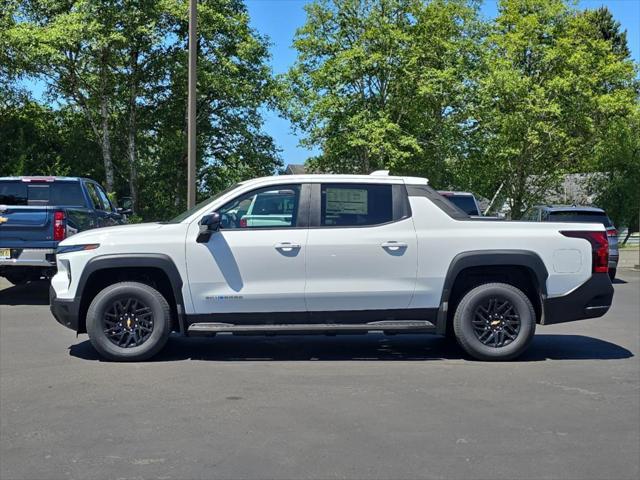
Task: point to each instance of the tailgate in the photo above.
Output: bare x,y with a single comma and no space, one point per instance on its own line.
26,226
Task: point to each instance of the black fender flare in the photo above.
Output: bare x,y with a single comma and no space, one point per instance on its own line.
123,260
486,258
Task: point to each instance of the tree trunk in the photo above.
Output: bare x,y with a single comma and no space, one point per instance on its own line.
105,141
131,134
106,144
180,180
133,168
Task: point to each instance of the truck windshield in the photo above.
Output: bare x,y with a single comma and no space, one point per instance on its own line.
198,206
62,194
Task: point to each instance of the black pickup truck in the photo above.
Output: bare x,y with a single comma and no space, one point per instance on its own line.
36,213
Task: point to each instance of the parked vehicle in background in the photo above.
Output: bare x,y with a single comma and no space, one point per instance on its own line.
465,201
579,214
36,213
329,254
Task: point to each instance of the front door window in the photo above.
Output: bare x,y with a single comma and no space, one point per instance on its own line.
272,207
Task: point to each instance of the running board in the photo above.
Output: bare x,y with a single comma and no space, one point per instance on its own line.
396,326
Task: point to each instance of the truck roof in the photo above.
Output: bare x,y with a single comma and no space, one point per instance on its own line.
43,178
375,177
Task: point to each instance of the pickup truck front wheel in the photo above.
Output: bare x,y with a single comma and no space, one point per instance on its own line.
494,321
128,321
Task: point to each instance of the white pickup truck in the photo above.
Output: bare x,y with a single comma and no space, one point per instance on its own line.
343,254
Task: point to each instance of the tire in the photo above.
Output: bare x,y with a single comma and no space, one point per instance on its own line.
104,324
612,273
19,278
470,322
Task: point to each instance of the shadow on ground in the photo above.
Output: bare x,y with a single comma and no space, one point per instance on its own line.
31,293
372,347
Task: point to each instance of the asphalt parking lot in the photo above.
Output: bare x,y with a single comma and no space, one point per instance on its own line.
350,407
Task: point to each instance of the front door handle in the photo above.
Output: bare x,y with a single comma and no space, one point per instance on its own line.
287,246
393,245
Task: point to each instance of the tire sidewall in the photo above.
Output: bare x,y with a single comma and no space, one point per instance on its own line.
150,297
466,312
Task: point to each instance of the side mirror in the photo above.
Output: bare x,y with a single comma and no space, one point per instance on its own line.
124,211
208,224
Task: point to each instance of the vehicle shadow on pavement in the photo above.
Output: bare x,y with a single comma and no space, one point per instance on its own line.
371,347
616,281
32,293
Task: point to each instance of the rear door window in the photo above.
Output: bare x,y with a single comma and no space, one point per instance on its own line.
355,205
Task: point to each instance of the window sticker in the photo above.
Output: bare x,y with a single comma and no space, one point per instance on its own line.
346,200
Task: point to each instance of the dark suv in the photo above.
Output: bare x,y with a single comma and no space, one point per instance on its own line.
580,214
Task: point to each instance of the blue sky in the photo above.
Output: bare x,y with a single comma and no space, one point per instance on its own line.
279,19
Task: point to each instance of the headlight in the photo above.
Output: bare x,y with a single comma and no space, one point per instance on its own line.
77,248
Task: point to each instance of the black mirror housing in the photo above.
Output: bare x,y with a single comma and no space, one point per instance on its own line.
209,224
124,211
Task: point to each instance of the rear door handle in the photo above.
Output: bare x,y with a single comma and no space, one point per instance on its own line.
287,246
392,245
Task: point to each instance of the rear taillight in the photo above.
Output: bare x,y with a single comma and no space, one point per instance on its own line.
59,225
612,233
599,248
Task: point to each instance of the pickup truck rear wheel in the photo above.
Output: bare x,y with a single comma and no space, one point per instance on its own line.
494,321
128,321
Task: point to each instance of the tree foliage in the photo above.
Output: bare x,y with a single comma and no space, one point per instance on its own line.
428,88
122,66
549,86
379,84
618,156
420,87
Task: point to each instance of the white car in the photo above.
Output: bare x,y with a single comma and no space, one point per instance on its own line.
329,254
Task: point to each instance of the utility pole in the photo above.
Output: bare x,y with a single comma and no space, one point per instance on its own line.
191,111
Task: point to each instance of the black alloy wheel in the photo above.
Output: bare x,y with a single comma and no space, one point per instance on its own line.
128,322
496,322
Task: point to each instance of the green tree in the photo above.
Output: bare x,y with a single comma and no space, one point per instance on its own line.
121,65
548,88
605,27
39,140
381,84
72,47
618,158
